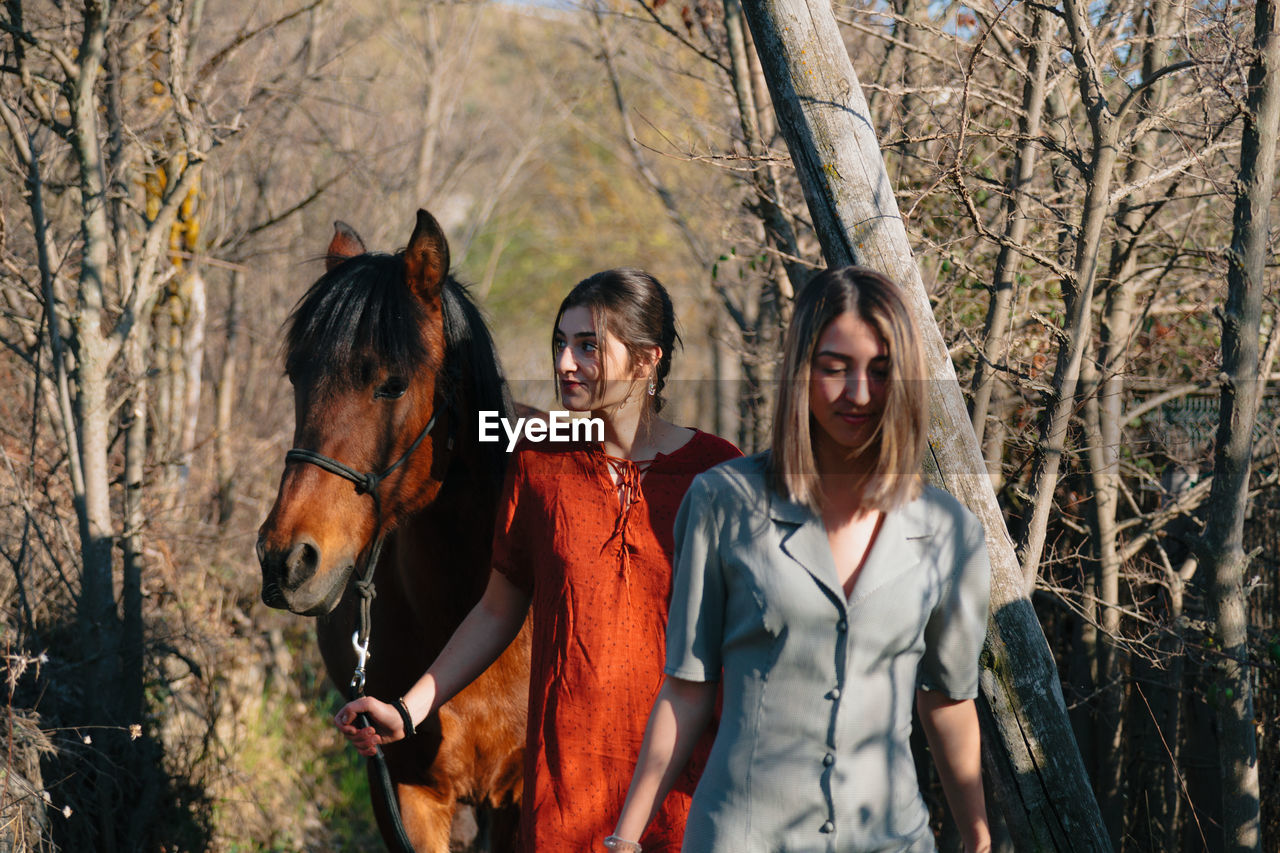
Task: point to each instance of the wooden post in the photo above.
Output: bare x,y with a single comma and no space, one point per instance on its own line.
1031,754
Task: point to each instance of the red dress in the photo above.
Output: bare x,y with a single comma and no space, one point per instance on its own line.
595,560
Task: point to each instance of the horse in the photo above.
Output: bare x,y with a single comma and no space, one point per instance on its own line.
390,363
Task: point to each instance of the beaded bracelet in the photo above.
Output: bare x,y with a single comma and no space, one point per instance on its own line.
613,842
404,716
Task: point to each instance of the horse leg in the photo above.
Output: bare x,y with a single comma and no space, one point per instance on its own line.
499,828
467,826
425,813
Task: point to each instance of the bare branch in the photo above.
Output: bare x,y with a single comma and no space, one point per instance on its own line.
652,14
215,61
1178,167
1146,84
1158,400
145,284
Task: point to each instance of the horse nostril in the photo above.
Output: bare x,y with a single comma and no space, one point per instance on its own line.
301,564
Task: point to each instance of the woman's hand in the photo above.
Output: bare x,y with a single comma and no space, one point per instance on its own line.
486,632
387,726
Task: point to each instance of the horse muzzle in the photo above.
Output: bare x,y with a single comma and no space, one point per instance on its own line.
293,578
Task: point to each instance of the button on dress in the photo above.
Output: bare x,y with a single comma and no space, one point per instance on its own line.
812,752
595,560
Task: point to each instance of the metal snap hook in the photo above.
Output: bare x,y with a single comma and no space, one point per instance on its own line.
362,655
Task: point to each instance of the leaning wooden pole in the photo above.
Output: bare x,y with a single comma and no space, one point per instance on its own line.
1031,754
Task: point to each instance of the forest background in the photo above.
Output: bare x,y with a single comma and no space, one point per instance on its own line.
171,173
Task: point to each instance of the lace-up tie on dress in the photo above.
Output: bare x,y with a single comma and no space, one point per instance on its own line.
628,472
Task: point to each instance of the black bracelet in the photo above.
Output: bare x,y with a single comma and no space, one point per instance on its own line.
404,716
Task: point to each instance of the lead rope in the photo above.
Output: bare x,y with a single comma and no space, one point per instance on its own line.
368,484
400,842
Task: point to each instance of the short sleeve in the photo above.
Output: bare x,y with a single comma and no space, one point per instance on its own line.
510,541
957,627
695,619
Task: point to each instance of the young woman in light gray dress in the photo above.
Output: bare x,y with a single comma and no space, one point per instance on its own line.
826,589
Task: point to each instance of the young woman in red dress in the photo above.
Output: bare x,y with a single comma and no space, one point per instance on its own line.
584,538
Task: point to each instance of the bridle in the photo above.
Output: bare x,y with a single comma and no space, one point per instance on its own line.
363,581
363,577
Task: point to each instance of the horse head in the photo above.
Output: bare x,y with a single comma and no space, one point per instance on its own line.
365,352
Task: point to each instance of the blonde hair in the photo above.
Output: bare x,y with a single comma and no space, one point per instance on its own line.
898,446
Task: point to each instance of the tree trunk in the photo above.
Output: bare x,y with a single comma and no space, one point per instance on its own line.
133,413
823,116
1224,560
995,335
1164,696
1107,721
1117,331
224,460
785,273
1000,410
134,426
195,322
764,178
170,352
1077,292
93,361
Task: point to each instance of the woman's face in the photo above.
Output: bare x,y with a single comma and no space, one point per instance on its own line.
848,378
578,364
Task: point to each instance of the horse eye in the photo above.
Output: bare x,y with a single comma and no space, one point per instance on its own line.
392,389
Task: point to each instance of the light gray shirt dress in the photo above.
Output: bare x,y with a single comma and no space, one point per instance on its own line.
812,753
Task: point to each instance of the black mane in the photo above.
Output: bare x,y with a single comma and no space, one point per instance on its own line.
361,312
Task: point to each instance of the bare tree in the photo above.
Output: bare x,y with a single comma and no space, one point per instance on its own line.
95,96
1224,558
1111,553
1021,170
756,305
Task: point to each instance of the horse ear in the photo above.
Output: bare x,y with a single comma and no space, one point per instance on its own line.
426,261
346,243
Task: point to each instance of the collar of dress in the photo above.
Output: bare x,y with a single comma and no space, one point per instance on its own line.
898,548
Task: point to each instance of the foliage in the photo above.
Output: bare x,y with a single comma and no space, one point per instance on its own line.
508,123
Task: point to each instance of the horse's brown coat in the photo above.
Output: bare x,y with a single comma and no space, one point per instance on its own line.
432,571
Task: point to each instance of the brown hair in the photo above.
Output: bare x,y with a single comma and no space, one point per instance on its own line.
899,444
633,307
